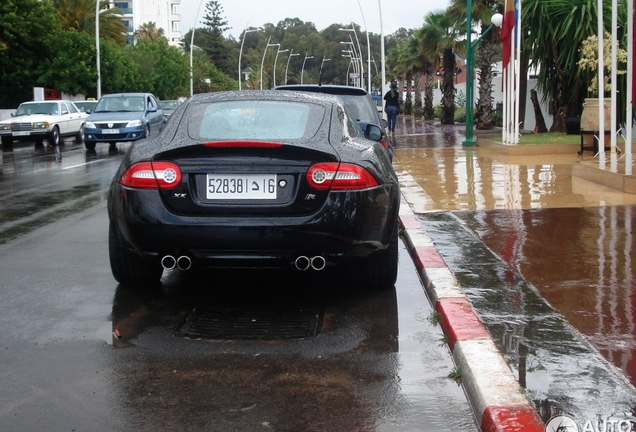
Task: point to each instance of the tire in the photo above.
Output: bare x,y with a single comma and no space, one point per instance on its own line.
79,136
381,272
54,138
90,145
7,143
129,268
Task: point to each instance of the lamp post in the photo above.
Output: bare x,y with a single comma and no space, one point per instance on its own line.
320,74
240,72
99,75
382,56
276,59
495,20
354,56
291,54
191,44
263,61
359,53
368,48
302,70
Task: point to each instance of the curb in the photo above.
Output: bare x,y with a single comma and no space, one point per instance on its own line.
491,388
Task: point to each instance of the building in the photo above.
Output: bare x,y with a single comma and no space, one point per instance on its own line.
162,12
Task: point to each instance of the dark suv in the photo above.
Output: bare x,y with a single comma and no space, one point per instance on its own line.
357,100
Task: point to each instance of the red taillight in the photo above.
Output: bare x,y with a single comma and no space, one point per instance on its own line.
336,176
152,175
242,144
384,144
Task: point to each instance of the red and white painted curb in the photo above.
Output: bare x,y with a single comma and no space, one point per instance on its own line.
491,387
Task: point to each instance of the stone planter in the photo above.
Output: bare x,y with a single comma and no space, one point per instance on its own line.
589,119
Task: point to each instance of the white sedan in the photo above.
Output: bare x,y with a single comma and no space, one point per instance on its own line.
40,120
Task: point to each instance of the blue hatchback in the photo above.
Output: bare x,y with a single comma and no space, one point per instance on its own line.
123,117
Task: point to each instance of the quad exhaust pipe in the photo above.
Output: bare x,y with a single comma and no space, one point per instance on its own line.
183,262
303,263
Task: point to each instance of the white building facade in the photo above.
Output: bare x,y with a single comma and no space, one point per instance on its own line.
163,13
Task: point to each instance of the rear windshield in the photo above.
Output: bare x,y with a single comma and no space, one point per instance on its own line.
258,120
361,107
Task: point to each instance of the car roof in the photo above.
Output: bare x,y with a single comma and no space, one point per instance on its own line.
330,89
126,95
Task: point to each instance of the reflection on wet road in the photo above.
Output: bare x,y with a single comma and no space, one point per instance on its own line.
538,251
41,184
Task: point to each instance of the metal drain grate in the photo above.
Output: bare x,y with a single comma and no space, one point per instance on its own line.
230,324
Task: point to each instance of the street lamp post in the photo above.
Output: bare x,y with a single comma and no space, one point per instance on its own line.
382,56
368,47
191,45
240,72
99,75
291,54
355,56
276,59
495,20
263,61
302,70
320,74
359,54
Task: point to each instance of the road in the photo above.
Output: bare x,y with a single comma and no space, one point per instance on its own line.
81,353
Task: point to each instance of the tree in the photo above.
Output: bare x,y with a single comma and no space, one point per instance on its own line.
440,37
80,15
28,29
73,70
486,53
149,31
163,69
210,38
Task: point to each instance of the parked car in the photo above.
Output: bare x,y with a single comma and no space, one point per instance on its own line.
168,106
357,99
49,120
256,179
123,117
86,106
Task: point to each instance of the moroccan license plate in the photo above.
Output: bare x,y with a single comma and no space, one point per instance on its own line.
110,131
22,133
241,186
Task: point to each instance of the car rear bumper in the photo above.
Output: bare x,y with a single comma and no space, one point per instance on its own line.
145,227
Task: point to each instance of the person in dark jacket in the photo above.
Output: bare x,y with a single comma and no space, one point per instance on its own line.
392,106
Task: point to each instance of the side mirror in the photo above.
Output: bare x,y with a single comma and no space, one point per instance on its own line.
152,109
88,111
373,132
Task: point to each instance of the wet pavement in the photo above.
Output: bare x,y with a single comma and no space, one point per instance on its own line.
80,352
545,258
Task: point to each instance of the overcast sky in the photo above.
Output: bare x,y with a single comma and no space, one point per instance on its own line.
255,13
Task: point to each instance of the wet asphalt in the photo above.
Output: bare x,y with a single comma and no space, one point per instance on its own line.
544,257
81,353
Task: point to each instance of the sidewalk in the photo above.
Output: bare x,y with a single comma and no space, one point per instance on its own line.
461,181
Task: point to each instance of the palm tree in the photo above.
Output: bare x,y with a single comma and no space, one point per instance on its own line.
486,52
80,15
553,33
441,38
429,61
149,31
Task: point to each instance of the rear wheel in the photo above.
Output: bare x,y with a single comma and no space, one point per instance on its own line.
54,137
380,272
129,268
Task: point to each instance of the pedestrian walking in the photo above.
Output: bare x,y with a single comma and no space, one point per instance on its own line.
392,106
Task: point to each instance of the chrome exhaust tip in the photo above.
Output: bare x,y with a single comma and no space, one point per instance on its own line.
302,263
168,262
318,263
184,262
